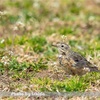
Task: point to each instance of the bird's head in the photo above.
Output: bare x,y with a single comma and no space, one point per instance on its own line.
62,47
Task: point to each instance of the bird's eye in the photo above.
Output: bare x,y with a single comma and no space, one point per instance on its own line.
62,45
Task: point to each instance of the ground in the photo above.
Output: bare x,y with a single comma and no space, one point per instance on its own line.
28,61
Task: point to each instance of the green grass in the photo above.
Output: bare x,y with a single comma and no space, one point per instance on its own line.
75,83
66,30
38,43
13,65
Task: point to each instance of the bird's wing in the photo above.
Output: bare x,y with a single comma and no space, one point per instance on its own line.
81,62
77,57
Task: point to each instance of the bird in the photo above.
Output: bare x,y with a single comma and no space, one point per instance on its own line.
73,62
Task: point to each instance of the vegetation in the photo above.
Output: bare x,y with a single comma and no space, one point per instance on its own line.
28,61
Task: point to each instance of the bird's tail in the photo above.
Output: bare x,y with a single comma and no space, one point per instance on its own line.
94,69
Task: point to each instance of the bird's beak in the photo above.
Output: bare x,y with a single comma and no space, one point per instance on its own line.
54,44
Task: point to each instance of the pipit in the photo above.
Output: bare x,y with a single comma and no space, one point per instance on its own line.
73,62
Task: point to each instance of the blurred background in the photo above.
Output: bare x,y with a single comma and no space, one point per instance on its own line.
47,17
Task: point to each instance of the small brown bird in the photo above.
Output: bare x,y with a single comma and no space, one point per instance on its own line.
72,62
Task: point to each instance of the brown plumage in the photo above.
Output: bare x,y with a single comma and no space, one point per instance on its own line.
72,62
